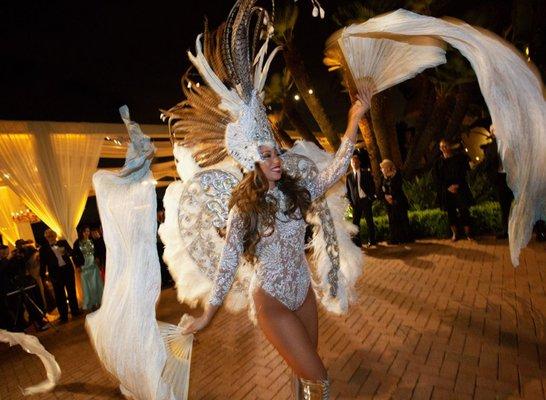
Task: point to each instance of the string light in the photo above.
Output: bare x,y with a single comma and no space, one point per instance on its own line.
527,53
297,97
310,91
117,141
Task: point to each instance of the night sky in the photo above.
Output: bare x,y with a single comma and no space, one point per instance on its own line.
80,61
66,63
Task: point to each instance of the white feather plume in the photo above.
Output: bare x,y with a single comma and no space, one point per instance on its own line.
350,256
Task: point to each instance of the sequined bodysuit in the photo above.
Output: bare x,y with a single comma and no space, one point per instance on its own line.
281,268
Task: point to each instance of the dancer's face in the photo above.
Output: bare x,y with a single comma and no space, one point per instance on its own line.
271,165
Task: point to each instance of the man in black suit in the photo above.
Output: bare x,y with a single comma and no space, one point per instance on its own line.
55,257
361,194
493,167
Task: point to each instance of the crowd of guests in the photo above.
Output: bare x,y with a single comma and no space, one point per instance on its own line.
453,194
34,280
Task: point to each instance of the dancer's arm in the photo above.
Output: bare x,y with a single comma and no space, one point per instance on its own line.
226,270
331,174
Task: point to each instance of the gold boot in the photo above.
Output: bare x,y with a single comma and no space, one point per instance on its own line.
296,388
315,390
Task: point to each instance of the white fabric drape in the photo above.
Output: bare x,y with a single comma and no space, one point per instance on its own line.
32,345
124,331
113,150
513,93
51,172
10,230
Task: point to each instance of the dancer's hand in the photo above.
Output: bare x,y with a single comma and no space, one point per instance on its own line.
356,112
198,324
358,109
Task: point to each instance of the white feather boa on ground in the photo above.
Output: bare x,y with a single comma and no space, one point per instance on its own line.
193,285
32,345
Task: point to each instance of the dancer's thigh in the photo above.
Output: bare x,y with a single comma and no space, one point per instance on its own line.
308,315
288,335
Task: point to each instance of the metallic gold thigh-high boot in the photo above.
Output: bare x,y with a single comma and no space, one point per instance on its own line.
296,387
315,390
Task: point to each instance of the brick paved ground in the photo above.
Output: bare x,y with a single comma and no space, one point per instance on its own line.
434,321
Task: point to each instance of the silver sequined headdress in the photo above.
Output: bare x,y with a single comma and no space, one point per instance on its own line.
226,116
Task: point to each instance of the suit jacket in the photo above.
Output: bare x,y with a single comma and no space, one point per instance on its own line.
366,184
453,171
394,187
49,261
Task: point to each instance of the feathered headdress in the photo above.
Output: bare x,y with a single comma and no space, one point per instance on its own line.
227,115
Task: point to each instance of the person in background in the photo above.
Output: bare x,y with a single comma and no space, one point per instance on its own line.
33,267
5,317
86,259
100,250
495,172
396,202
22,291
55,261
454,195
361,194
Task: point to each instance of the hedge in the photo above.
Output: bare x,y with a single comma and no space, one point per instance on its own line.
486,219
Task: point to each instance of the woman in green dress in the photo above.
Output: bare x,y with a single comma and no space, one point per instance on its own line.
86,260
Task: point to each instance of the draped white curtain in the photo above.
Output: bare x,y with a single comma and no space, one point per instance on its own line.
51,172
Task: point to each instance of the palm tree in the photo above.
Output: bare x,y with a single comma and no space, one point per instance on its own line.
383,126
284,36
277,95
451,86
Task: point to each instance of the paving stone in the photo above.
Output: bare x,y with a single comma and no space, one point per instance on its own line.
434,320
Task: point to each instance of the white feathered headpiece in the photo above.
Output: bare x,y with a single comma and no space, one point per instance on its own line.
227,115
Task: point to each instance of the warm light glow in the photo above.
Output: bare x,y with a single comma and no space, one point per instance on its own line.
528,53
297,97
477,158
24,216
189,85
310,91
466,149
197,84
6,175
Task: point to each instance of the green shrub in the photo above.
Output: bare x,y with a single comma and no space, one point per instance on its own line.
421,192
480,186
486,219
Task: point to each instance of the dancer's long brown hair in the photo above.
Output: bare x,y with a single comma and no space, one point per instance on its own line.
258,214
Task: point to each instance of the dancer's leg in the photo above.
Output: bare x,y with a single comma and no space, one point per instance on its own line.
288,335
308,315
